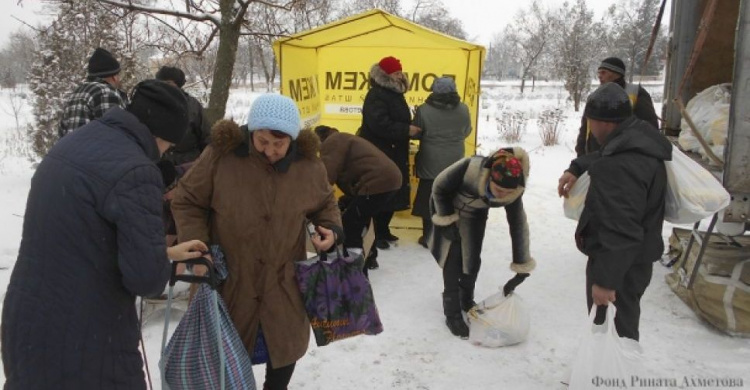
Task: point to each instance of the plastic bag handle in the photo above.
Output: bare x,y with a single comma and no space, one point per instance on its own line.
210,278
609,320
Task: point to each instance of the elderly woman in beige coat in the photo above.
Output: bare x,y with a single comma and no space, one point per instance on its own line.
251,192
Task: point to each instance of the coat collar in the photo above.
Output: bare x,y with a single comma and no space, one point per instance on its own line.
130,125
380,78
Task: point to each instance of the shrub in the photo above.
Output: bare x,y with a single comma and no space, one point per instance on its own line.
549,125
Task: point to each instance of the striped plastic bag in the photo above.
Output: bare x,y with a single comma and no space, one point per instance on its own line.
193,359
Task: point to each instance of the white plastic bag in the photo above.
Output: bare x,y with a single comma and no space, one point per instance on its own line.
604,359
693,193
573,204
499,321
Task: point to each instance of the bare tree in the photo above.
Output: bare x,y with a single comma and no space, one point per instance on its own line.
433,14
528,36
500,62
16,58
632,22
351,7
576,44
223,21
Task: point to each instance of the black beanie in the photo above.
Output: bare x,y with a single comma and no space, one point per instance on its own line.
613,64
170,73
609,103
103,64
162,108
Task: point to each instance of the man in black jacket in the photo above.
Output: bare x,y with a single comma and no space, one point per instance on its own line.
198,130
620,227
93,240
612,69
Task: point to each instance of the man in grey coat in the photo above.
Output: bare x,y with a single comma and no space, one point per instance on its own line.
445,122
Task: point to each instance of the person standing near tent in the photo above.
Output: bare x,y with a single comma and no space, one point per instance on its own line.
252,192
621,224
366,176
612,69
462,195
445,124
386,122
93,240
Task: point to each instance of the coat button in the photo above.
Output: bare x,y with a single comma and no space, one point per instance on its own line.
266,217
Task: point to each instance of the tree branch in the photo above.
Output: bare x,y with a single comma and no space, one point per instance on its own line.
155,10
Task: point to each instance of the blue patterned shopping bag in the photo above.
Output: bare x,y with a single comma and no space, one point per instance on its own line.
205,351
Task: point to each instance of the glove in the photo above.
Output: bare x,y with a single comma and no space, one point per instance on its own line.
513,283
451,233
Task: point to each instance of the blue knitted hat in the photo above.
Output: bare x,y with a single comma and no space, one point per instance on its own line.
274,112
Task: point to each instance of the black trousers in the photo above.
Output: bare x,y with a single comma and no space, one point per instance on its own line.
627,299
358,213
278,378
382,222
458,287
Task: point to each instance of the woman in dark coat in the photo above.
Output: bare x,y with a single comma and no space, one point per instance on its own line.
445,124
386,122
93,240
461,198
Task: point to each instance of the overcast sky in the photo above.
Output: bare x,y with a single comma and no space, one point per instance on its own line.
481,18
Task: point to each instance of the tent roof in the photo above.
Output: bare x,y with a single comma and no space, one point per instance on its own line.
366,29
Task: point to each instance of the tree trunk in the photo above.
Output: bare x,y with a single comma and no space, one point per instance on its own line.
523,83
226,55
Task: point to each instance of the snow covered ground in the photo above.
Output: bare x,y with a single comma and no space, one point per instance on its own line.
416,350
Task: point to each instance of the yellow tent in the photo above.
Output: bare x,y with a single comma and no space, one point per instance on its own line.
326,70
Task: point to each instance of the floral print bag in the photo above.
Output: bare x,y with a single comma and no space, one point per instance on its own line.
337,296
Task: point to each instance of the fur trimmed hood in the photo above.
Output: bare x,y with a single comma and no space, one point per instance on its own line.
227,136
379,77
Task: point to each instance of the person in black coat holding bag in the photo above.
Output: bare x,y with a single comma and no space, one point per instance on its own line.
386,122
92,240
462,195
621,223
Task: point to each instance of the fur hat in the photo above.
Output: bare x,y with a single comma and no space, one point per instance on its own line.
170,73
443,85
613,64
103,64
505,169
390,65
162,108
609,103
274,112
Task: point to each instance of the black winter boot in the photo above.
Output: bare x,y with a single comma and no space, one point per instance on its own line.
453,318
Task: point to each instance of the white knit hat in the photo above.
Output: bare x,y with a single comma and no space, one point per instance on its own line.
274,112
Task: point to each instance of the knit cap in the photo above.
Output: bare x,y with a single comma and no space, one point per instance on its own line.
162,108
390,65
274,112
103,64
170,73
443,85
609,103
613,64
505,169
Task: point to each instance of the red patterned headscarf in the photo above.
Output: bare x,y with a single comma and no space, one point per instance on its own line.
506,170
